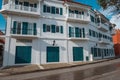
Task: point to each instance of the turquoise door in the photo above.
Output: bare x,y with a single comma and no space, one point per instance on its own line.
23,54
52,54
77,53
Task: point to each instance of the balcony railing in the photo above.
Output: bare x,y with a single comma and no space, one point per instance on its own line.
19,7
24,32
103,26
102,40
79,17
74,36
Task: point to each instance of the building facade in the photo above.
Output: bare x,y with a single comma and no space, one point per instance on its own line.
116,41
54,31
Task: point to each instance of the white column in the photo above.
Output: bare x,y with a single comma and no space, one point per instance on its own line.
6,51
8,26
38,8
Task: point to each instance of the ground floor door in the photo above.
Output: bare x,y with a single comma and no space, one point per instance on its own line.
23,54
77,53
52,54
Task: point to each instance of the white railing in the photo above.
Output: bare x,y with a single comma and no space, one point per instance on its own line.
102,40
77,16
20,7
101,25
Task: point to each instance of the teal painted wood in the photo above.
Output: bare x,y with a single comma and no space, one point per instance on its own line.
44,8
44,27
23,54
53,28
14,27
52,54
70,32
77,32
53,10
77,53
61,11
61,29
83,33
35,30
25,27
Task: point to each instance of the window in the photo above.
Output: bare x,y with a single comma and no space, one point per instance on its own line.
48,28
57,10
48,9
52,28
25,28
57,28
92,18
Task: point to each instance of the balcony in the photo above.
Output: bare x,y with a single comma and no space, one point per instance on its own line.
17,9
76,37
24,34
104,41
103,27
112,32
78,18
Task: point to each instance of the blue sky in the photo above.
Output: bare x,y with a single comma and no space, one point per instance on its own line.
92,3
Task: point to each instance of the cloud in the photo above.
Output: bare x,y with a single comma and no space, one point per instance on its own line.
116,20
113,15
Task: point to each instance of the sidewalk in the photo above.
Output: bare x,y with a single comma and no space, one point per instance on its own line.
14,70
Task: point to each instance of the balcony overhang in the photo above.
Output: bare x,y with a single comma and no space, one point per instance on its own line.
78,39
77,20
103,42
24,36
19,13
102,28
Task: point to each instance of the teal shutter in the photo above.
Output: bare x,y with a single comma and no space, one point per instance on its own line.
80,32
77,32
53,28
14,27
61,11
25,27
76,11
89,32
61,29
35,30
70,32
44,27
44,8
83,33
53,10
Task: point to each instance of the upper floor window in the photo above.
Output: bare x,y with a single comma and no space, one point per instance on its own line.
52,28
24,28
52,10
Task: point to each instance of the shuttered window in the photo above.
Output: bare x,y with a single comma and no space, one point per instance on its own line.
44,27
61,29
53,10
53,28
61,11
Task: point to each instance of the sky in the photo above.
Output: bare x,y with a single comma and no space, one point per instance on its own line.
113,18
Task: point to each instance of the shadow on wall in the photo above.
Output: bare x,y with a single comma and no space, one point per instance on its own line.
117,50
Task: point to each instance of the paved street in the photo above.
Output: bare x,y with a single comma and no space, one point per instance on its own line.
101,71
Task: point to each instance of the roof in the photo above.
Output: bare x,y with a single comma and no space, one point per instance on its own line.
76,2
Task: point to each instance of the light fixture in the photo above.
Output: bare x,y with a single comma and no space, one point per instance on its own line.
53,42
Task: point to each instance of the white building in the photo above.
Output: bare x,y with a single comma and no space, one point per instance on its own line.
54,31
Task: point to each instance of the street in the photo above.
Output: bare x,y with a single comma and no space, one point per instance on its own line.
100,71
